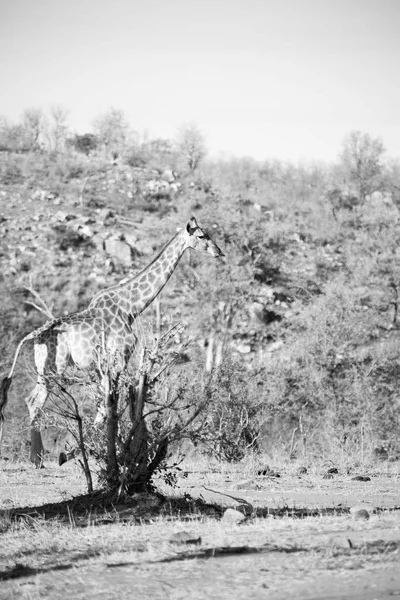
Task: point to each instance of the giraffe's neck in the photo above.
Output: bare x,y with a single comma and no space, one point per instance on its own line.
135,294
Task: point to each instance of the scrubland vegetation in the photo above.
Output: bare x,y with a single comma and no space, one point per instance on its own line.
287,346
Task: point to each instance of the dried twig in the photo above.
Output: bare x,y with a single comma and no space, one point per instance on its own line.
42,305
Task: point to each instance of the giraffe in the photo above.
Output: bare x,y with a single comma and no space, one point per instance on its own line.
103,331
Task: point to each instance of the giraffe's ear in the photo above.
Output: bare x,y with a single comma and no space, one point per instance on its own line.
191,226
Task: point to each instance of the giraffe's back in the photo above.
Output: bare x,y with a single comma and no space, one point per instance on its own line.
83,338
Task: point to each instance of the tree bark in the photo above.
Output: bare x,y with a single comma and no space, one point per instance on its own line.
137,453
37,449
112,430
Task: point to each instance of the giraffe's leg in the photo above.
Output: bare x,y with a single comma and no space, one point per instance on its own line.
99,420
35,402
101,414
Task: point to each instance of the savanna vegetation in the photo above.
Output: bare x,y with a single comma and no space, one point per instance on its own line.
288,346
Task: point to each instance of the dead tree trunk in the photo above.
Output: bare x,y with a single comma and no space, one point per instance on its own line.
138,450
136,444
140,459
37,449
112,397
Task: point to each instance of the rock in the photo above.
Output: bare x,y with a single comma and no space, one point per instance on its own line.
381,453
185,537
61,215
86,231
361,511
267,472
333,471
39,195
243,348
144,246
119,250
233,516
105,214
131,239
264,470
244,484
361,478
99,240
274,346
302,470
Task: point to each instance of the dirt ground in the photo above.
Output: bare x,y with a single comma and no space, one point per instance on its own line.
299,539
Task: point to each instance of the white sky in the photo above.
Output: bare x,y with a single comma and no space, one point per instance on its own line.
265,78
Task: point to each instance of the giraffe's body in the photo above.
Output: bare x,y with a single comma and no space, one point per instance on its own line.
82,339
102,332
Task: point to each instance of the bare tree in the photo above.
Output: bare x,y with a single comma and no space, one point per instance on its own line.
34,125
146,408
4,133
12,137
191,145
58,130
361,160
113,130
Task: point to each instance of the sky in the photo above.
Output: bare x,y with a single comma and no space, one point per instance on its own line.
285,79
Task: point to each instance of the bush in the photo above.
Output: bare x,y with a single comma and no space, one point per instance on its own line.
11,172
235,412
69,167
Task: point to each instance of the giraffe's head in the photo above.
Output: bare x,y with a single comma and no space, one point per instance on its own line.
198,239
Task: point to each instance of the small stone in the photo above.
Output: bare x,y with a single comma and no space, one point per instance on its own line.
361,478
105,214
86,231
233,516
243,348
131,239
381,453
185,537
359,512
61,215
244,484
265,470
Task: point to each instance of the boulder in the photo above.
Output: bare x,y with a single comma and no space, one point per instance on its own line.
233,516
118,249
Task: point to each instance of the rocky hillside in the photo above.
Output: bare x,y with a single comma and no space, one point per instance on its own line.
305,299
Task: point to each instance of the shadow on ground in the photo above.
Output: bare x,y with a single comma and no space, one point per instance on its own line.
103,508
